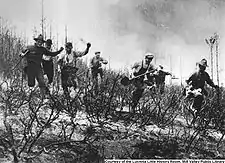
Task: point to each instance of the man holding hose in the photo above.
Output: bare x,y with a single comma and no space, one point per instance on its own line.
139,69
196,86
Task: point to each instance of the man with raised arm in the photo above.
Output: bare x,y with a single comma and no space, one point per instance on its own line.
33,55
68,66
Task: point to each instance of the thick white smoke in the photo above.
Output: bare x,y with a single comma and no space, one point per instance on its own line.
125,29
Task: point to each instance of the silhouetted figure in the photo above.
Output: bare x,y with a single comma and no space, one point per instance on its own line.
96,68
160,79
47,62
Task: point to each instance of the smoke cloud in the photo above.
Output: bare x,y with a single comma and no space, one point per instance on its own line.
124,30
174,31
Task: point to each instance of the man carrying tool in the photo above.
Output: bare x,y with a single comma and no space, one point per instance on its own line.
68,67
196,83
160,79
33,55
144,73
96,68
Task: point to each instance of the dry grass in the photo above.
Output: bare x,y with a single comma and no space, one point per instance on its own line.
90,127
89,123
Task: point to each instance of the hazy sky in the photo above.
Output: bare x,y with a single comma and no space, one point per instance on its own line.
125,29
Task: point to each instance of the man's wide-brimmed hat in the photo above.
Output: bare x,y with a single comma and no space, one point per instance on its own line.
149,56
40,37
69,45
48,42
98,52
203,62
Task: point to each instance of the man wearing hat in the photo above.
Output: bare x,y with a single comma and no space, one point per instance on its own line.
141,68
160,79
33,55
47,62
96,67
68,66
196,83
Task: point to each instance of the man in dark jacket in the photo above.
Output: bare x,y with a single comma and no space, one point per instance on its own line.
96,68
47,62
196,83
33,55
160,79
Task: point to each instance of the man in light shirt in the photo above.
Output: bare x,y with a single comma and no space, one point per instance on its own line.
140,68
68,66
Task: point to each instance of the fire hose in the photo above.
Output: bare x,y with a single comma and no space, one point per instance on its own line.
126,81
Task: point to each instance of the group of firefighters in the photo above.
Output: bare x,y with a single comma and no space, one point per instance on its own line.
145,73
39,61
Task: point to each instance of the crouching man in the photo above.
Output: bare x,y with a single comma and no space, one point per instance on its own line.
196,83
139,69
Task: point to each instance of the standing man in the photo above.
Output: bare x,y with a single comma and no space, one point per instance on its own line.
141,68
68,67
47,62
160,79
196,83
96,68
33,55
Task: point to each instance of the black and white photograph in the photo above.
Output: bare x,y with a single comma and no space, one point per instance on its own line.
112,81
